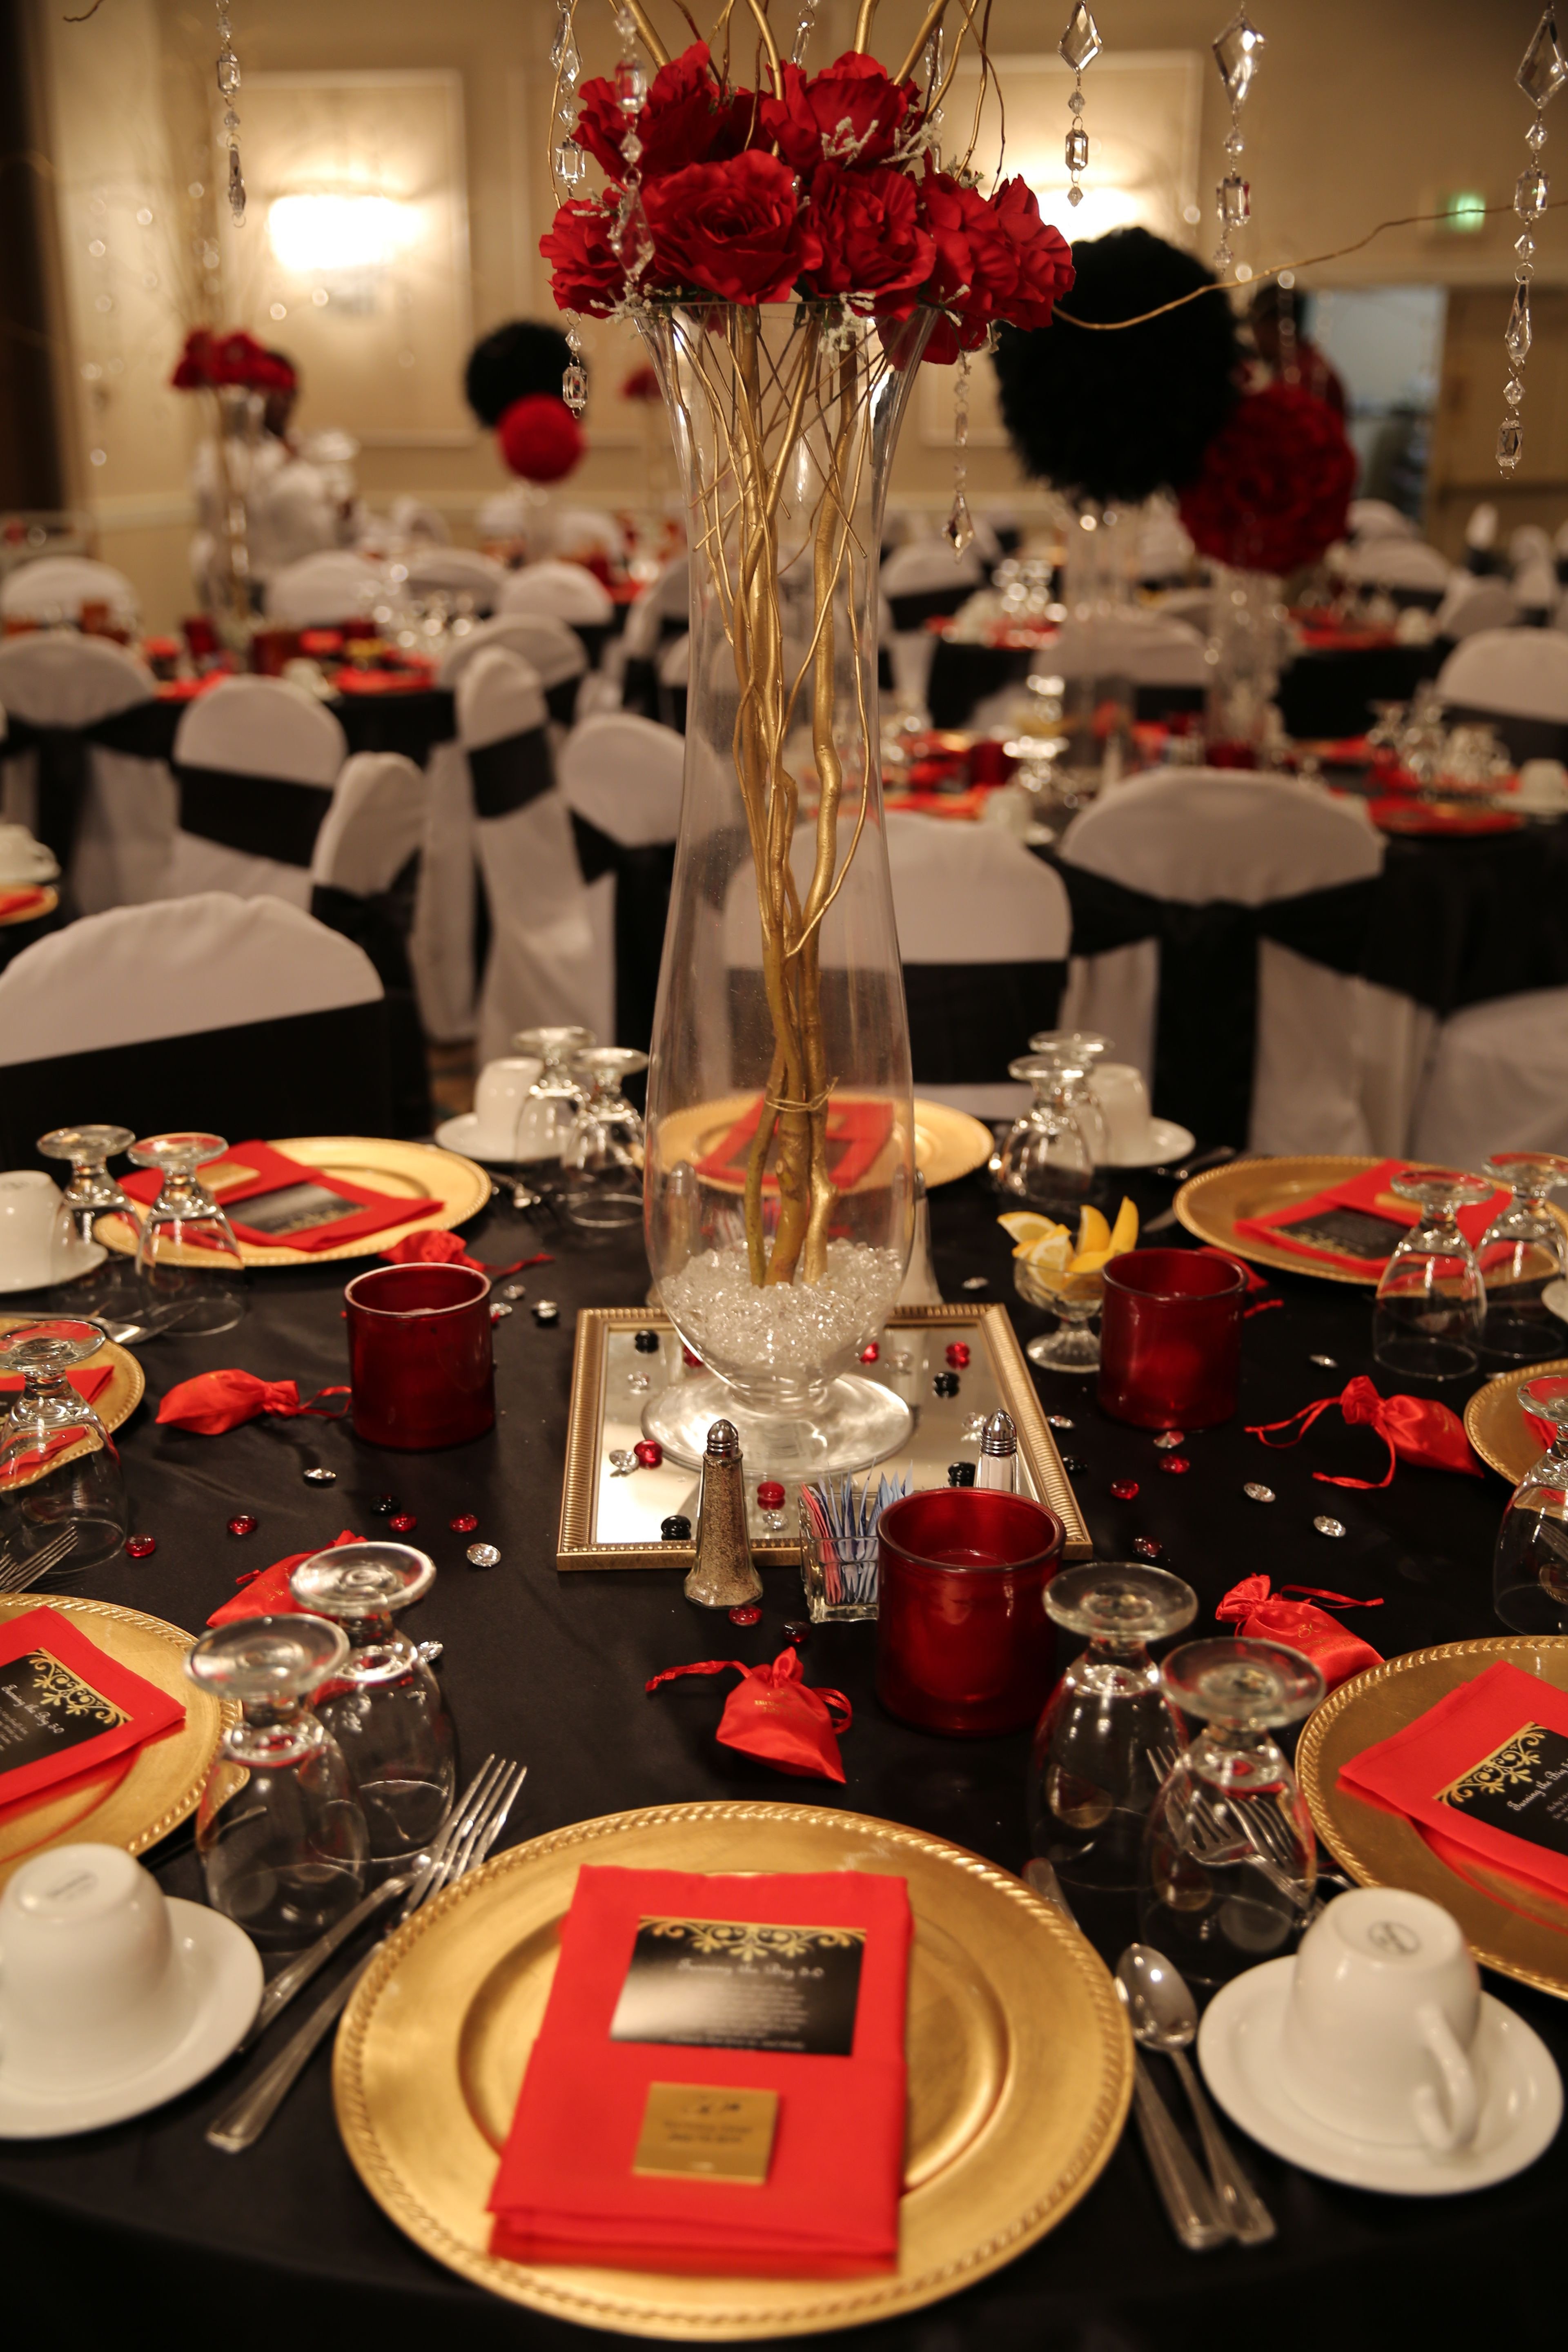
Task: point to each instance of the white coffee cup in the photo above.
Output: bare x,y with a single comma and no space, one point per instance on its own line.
91,1987
36,1235
1378,2030
23,859
1124,1101
498,1098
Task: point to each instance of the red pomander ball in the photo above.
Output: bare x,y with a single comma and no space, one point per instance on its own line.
1276,483
539,438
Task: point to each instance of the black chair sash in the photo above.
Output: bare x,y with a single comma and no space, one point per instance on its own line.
968,1021
1206,1028
914,611
507,774
144,732
260,817
643,879
379,924
595,636
560,699
310,1074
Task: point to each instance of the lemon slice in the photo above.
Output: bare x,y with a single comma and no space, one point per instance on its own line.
1123,1234
1026,1228
1093,1232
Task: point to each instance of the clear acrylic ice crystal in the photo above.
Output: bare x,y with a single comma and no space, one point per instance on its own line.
235,186
1517,334
227,72
959,529
1513,391
1236,53
1080,44
1509,442
1535,137
1543,69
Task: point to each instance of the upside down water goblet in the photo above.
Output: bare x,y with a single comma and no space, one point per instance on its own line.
602,1158
191,1273
1084,1048
60,1471
1431,1302
555,1096
1522,1250
1046,1158
1530,1560
112,1288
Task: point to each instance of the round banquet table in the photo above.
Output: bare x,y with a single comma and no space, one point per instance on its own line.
145,2222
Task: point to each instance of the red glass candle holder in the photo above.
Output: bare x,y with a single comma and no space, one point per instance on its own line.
963,1643
420,1366
1170,1339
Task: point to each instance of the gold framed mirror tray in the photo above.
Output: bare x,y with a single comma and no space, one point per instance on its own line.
131,1807
1495,1423
1020,2066
114,1403
1509,1927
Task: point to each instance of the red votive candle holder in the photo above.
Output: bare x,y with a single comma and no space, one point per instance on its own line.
1170,1339
963,1643
420,1366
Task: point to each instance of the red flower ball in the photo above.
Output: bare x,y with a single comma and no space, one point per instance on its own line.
734,228
868,225
851,112
1276,483
585,271
539,438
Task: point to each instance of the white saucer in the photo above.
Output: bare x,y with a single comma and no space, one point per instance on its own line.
1166,1141
1554,1298
84,1259
463,1134
226,1972
1521,2108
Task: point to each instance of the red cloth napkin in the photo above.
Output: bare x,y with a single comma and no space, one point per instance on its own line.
1422,817
21,902
1417,1430
566,2190
1332,1648
216,1401
267,1593
67,1707
773,1714
1369,1192
248,1171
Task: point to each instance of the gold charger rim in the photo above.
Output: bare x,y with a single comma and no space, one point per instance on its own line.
454,1208
122,1817
1488,1418
1344,1835
1194,1207
114,1407
762,2307
957,1142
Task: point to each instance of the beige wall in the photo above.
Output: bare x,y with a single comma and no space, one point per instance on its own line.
1364,110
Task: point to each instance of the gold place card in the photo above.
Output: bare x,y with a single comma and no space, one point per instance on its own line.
708,2130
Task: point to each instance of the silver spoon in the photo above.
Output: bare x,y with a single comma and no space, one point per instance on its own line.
1164,2017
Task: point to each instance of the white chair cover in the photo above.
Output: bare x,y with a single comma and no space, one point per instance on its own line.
623,773
1480,531
411,519
669,599
550,648
252,727
441,943
126,830
1527,545
1498,1081
572,530
561,591
1198,834
1148,648
56,587
1399,563
456,571
320,591
922,566
1535,585
1472,604
1518,673
376,822
1165,552
1372,519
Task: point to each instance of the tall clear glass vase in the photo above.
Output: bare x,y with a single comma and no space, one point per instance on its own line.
779,1186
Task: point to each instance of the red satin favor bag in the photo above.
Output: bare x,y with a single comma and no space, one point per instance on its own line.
773,1714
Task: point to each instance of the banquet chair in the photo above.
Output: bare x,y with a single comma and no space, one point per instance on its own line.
1408,569
1496,1081
549,949
1470,605
411,519
674,673
1158,653
1480,539
363,881
456,571
923,580
555,653
243,1015
621,779
582,530
563,591
1219,918
1369,518
254,763
320,591
82,768
663,611
983,931
1516,679
60,587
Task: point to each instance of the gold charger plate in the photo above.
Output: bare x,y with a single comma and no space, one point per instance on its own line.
1495,1423
417,1171
1020,2065
948,1142
1513,1930
166,1777
113,1404
1209,1206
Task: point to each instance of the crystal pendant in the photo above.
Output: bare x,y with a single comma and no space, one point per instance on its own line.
1236,53
574,388
1235,201
959,529
1080,44
1075,101
1543,69
570,163
227,72
1535,137
1515,335
1513,391
1524,246
1077,148
634,238
631,86
235,186
1509,442
1234,144
1222,256
1529,191
1075,194
564,57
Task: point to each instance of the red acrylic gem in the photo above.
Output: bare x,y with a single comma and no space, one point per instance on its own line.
242,1524
747,1614
141,1547
1124,1489
465,1523
403,1523
770,1496
870,1355
693,1363
1146,1547
649,1453
1175,1466
958,1354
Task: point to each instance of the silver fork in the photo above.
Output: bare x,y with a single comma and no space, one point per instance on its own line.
470,1835
21,1575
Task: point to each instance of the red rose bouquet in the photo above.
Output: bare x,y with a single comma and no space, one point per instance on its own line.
1276,483
236,361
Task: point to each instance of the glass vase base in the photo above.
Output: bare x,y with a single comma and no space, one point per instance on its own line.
858,1423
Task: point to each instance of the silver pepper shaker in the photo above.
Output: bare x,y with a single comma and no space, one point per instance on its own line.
999,1456
723,1575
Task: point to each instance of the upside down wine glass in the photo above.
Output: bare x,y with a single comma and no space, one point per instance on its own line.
59,1473
1522,1250
90,1193
191,1268
602,1158
1084,1048
1529,1561
555,1097
1046,1159
1431,1301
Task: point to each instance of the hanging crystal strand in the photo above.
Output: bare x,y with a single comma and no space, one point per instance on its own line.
1542,74
804,32
228,83
574,383
934,68
634,239
1290,364
959,529
1078,46
568,162
1236,53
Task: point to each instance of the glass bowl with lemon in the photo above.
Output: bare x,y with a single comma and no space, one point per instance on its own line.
1065,1275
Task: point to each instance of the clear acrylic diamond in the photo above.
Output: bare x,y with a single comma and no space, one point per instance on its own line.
1509,442
634,238
1524,246
1513,393
959,529
1077,148
1530,191
1535,137
1080,44
1234,144
1075,194
1515,335
1543,69
1236,53
1222,256
227,72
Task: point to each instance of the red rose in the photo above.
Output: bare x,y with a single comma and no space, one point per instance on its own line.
585,271
1276,483
868,225
996,260
849,114
733,227
194,370
686,118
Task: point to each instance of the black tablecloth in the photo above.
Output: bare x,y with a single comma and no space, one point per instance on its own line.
143,2222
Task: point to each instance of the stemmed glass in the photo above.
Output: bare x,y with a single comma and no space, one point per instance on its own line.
59,1473
1085,1047
188,1259
1529,1561
602,1158
282,1840
1093,1772
1075,1299
555,1097
1431,1301
92,1192
384,1708
1521,1251
1046,1159
1229,1859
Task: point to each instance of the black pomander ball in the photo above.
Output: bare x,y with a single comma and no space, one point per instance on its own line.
511,362
1116,418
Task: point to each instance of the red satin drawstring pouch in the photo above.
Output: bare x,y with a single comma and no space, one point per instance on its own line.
264,1592
1414,1429
1334,1649
448,1249
773,1714
215,1402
